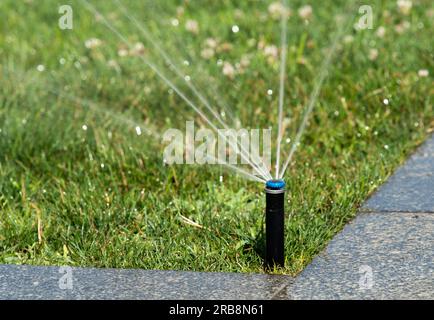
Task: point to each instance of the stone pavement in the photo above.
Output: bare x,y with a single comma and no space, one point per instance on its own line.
411,188
33,282
386,252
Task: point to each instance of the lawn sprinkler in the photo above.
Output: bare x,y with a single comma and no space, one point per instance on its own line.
274,223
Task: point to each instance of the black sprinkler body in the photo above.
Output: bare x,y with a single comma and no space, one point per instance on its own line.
274,224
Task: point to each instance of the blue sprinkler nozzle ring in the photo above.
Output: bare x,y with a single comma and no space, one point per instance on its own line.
276,184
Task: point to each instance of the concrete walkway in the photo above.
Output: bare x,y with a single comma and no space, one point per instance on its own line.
30,282
385,253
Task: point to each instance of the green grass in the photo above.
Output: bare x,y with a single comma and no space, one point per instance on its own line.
102,197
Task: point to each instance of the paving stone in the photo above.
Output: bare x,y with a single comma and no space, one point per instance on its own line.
34,282
396,249
411,188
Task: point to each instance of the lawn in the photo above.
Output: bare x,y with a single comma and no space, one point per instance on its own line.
82,178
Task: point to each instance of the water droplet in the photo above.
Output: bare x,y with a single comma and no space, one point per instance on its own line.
40,68
235,29
84,127
386,101
175,22
138,131
269,92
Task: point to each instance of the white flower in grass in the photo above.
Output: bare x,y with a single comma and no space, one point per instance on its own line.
305,12
207,53
271,51
113,64
402,27
211,43
228,70
92,43
192,26
381,31
404,6
423,73
242,66
245,61
235,28
138,49
40,68
122,52
373,54
276,10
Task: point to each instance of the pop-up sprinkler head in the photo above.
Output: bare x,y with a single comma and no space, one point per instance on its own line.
274,223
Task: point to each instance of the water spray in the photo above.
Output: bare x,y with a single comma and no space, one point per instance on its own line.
274,224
